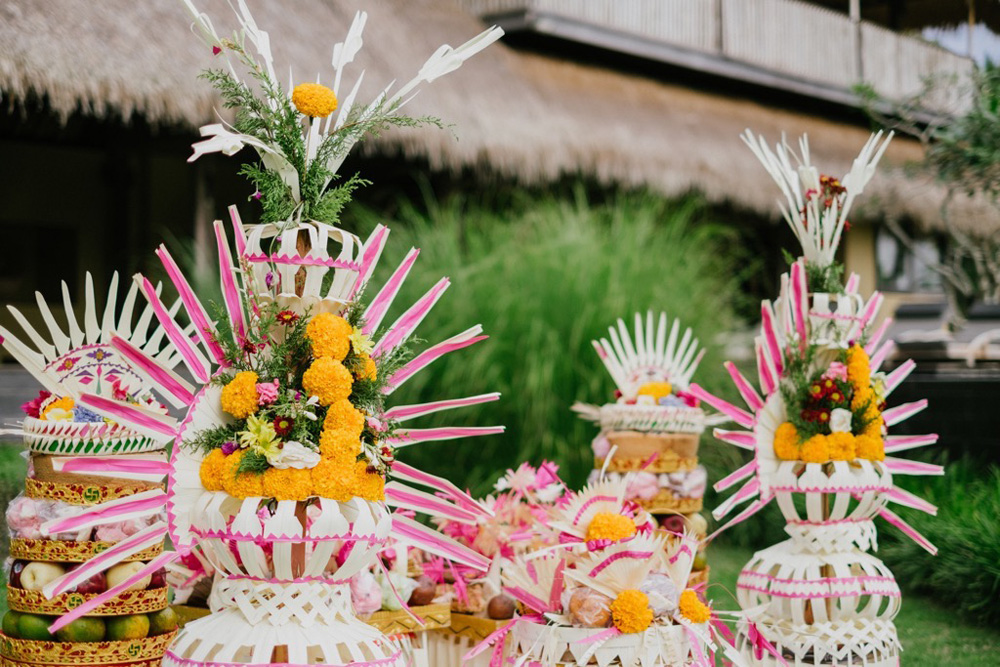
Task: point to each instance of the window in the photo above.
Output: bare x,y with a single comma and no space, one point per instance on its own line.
906,267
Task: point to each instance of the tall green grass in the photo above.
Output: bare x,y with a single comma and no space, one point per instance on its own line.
545,276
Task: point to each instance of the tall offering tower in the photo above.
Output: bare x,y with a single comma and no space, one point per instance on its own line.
819,430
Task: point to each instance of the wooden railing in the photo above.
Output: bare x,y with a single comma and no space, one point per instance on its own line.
788,38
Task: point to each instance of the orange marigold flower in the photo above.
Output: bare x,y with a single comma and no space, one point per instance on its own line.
242,485
368,485
369,370
343,416
786,442
339,445
630,611
330,336
693,609
874,427
858,368
287,483
842,447
333,480
870,448
314,100
328,380
610,526
239,397
211,470
815,450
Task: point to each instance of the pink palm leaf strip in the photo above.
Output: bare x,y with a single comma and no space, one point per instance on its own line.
765,372
590,501
193,359
746,492
901,443
400,495
746,390
411,532
383,300
230,293
529,600
757,506
120,509
907,499
95,602
739,475
239,235
768,327
900,373
369,257
195,310
406,437
146,421
411,319
892,518
853,281
872,307
555,593
635,555
178,391
742,439
876,337
905,467
903,412
425,358
740,416
144,539
402,471
404,412
800,309
402,602
880,354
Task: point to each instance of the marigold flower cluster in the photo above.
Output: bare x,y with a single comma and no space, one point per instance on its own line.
630,611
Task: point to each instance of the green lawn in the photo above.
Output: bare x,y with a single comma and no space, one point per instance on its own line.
931,634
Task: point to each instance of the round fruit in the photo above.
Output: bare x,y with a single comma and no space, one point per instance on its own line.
135,626
424,593
83,629
32,626
15,572
500,607
700,561
123,571
10,624
35,576
163,621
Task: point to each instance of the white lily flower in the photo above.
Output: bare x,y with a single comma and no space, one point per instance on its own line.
293,455
840,420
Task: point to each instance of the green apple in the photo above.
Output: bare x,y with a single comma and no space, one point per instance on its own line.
10,624
83,629
135,626
163,621
32,626
700,561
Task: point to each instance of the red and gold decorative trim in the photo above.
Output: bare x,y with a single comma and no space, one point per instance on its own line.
436,616
472,627
7,662
665,502
128,602
667,462
58,551
82,494
149,649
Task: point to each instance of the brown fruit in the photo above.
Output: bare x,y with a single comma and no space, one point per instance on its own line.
500,607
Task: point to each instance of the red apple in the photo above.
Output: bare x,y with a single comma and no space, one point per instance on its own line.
15,573
158,579
96,584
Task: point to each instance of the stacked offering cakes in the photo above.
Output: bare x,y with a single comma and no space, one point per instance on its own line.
650,432
90,518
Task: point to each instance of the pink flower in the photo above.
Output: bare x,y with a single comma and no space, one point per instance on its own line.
836,371
601,446
644,485
688,399
548,473
33,407
267,392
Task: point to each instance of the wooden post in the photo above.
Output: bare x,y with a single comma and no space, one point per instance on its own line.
855,14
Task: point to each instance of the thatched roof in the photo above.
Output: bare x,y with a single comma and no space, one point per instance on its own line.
532,116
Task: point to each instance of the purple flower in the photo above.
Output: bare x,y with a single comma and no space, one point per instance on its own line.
269,279
257,195
229,447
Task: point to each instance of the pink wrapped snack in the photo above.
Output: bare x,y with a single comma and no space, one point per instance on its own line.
366,593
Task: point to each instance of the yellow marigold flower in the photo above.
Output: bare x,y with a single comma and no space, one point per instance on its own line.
333,480
243,485
239,397
870,448
212,469
815,450
842,447
59,410
693,609
630,611
287,483
858,368
874,427
657,390
314,100
343,416
330,336
328,380
368,485
338,445
369,370
786,442
610,526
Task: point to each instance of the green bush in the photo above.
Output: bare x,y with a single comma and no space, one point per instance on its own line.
544,277
965,574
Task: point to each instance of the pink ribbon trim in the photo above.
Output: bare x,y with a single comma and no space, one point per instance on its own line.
638,555
115,464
